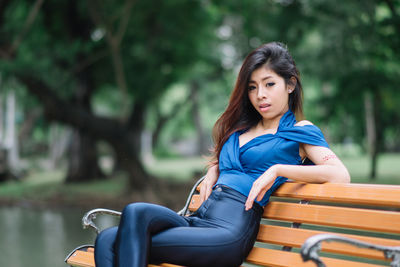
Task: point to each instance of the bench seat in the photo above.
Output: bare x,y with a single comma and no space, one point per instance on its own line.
298,211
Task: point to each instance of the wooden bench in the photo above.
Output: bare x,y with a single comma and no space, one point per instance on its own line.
364,220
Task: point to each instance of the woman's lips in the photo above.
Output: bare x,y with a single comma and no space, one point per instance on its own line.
264,107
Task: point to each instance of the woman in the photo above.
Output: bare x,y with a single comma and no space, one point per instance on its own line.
258,146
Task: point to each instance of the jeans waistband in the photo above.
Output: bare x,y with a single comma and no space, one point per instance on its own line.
242,198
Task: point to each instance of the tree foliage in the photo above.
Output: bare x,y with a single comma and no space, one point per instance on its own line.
105,67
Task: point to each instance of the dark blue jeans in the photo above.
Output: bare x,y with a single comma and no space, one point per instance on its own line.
220,233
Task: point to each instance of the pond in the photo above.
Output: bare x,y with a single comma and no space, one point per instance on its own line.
42,237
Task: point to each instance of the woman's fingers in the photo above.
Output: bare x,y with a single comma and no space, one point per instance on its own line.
252,196
262,193
208,183
205,192
201,194
257,191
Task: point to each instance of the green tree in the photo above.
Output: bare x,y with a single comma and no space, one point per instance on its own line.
63,57
355,49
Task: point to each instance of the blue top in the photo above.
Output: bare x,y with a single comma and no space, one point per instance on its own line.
239,167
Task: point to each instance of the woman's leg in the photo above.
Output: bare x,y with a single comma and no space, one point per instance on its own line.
199,247
139,221
104,248
193,246
221,234
128,244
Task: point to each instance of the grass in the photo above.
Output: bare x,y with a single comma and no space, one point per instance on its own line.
34,182
181,169
358,165
388,169
48,185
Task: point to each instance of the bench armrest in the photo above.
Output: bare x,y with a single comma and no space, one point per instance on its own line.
312,246
184,210
87,219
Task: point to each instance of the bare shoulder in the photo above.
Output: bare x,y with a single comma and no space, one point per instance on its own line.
303,122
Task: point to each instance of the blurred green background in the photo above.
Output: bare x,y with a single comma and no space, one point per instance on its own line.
107,102
114,95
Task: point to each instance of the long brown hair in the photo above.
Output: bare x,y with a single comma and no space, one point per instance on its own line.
240,113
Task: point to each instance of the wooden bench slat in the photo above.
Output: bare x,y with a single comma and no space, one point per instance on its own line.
363,219
194,203
278,258
295,237
361,194
381,195
164,265
81,258
263,256
86,259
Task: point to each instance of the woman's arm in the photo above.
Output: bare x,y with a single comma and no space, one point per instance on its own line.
208,182
328,168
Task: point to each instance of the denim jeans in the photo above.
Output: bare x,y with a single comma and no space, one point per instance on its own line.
220,233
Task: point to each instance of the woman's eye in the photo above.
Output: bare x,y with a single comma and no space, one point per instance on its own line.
270,84
251,87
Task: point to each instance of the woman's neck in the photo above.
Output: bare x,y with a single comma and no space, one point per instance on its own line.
269,124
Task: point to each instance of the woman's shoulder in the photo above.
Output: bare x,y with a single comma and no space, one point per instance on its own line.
311,135
303,123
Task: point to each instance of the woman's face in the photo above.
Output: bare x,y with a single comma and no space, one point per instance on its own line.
269,93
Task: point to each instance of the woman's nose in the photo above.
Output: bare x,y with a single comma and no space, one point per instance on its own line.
261,93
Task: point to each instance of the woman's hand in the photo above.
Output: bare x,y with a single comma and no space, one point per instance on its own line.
208,183
261,186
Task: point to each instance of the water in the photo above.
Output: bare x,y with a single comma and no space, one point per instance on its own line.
42,238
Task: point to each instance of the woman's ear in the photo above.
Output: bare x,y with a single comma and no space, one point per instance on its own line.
291,84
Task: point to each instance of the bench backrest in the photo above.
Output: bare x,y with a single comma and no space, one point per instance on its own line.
298,211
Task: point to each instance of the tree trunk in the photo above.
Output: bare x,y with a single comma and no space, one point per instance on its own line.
1,113
3,151
147,147
82,159
58,143
194,98
127,159
162,120
139,178
83,164
31,116
4,169
160,124
370,122
11,141
9,152
118,135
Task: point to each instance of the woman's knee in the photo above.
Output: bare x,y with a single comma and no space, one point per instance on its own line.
106,238
104,247
135,210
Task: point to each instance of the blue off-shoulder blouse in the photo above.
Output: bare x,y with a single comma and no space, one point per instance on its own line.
239,167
